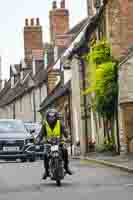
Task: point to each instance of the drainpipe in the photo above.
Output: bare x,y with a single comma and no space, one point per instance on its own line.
116,113
84,102
14,111
34,105
70,123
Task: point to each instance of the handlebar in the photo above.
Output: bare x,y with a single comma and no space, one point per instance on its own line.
54,140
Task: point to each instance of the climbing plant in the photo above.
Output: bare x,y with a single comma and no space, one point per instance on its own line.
103,81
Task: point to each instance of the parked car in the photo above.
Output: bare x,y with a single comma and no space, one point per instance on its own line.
15,141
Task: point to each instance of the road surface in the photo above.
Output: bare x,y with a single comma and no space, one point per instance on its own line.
22,181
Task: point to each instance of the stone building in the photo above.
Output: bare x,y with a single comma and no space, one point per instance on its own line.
120,34
126,103
59,76
37,74
108,19
114,23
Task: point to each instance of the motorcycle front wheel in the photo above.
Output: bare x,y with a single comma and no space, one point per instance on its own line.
58,183
58,180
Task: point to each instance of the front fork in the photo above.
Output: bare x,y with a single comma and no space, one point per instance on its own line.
56,167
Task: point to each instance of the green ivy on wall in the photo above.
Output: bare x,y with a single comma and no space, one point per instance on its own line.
102,77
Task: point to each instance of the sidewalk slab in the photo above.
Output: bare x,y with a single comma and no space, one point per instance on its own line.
122,163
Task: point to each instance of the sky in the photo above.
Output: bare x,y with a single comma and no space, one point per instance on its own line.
12,19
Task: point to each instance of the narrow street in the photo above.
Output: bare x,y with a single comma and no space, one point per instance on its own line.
23,181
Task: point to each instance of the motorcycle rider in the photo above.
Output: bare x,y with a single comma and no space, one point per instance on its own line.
50,127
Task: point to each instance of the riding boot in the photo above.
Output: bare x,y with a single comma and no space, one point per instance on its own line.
66,161
67,169
46,167
45,175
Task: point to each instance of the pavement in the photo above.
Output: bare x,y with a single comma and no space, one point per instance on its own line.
123,162
89,181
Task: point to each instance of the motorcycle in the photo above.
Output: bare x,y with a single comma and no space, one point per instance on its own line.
56,163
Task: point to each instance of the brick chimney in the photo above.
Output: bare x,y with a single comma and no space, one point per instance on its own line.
53,77
37,22
32,37
63,4
54,5
59,20
32,22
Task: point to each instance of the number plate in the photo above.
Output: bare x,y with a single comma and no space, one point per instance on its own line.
55,148
11,149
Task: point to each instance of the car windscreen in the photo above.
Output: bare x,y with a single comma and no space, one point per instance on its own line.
36,127
12,127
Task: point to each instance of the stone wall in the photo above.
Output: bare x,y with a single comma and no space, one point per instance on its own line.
119,25
126,104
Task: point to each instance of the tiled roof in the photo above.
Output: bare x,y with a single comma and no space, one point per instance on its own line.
8,94
74,32
85,34
41,76
83,29
78,27
55,94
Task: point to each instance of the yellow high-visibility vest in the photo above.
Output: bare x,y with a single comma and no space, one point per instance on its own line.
56,132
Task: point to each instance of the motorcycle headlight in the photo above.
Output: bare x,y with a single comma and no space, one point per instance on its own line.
56,154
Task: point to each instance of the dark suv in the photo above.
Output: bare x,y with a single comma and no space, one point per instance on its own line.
15,141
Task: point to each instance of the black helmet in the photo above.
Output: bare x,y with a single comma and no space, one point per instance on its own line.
52,116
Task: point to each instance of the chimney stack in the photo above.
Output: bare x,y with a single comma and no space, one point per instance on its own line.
54,5
26,22
37,22
59,21
32,22
33,39
63,4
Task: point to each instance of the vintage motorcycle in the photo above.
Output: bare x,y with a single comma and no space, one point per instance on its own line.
53,146
56,163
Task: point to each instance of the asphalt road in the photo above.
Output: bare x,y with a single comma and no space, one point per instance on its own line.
23,181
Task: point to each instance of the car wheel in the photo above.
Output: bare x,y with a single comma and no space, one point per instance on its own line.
32,159
23,159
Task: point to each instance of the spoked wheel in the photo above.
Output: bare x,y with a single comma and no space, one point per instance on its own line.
58,183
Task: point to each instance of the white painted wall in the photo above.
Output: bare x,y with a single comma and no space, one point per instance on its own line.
24,109
67,75
76,106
